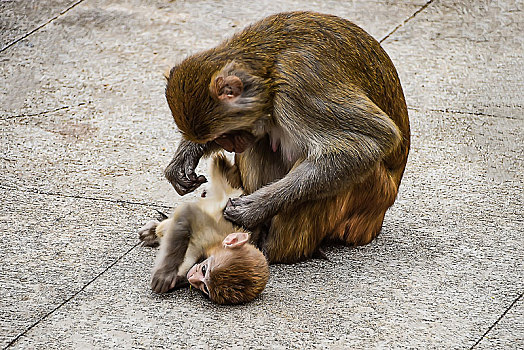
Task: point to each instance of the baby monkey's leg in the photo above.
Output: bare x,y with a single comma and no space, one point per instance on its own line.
148,235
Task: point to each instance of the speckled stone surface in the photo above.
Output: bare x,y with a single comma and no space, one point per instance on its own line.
509,332
20,18
85,134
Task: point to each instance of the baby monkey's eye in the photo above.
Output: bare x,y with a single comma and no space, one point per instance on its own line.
205,289
204,269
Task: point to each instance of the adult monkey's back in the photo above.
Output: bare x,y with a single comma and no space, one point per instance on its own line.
313,108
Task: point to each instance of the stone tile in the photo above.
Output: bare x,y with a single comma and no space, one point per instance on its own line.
21,17
508,333
444,268
463,56
52,247
82,106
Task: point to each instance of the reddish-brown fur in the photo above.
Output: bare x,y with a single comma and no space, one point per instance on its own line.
330,96
238,276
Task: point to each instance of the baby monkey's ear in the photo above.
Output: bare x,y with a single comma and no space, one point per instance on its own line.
236,240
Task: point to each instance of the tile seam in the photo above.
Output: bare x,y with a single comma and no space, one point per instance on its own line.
109,200
36,323
456,111
36,114
406,20
498,320
40,26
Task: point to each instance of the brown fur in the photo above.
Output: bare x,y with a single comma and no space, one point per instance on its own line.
331,124
195,231
353,217
238,276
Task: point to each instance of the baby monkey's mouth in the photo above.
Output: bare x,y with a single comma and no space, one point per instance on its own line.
235,141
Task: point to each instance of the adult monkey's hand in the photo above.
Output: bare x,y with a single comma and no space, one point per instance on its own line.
181,170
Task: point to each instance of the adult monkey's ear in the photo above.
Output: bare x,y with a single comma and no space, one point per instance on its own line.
236,240
225,85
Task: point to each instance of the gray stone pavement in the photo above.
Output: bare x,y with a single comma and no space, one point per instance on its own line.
86,133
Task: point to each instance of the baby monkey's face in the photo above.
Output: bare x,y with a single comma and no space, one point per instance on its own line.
199,275
235,271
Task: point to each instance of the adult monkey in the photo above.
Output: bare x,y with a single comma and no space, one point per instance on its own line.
314,110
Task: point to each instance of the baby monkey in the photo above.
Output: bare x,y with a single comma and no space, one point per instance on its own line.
198,245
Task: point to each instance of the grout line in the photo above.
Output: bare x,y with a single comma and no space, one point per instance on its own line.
455,111
118,201
406,20
40,26
12,342
7,117
498,320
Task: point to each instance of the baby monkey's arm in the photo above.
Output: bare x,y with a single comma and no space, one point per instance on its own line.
180,245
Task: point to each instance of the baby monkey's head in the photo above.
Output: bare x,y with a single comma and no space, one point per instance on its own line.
234,272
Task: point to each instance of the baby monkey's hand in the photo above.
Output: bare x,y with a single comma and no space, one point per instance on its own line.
165,278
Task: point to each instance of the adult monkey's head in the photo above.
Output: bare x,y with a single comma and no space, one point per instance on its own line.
224,103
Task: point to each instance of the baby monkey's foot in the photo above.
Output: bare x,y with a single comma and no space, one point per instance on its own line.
147,234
